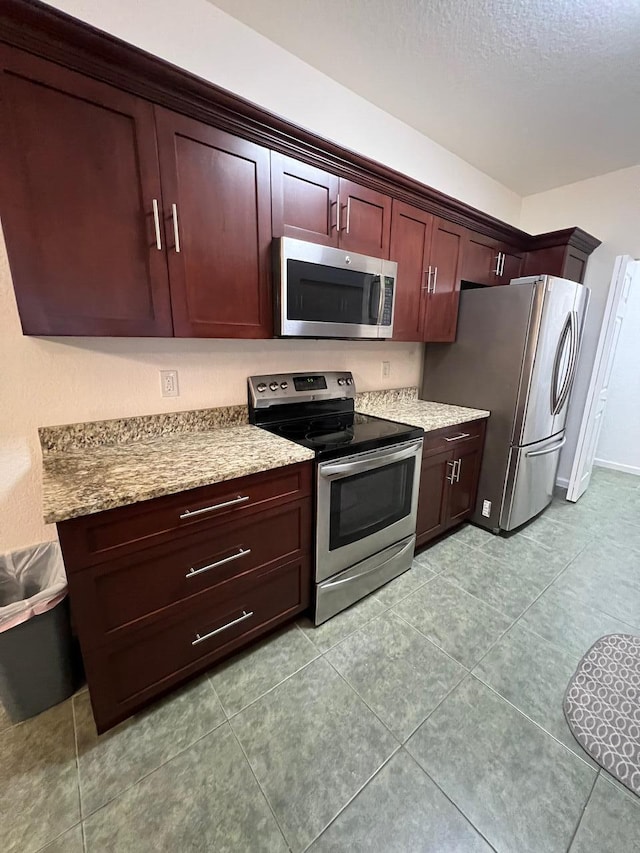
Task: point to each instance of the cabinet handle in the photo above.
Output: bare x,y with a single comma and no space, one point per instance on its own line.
458,467
452,476
458,437
337,203
156,224
427,275
176,235
435,280
189,513
502,264
200,639
497,269
348,213
241,553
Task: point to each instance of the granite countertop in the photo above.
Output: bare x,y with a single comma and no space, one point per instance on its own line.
403,405
88,479
90,467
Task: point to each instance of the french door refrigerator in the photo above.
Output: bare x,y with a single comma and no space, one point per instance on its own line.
515,354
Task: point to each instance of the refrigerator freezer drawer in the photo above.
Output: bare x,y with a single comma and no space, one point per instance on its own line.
530,481
354,583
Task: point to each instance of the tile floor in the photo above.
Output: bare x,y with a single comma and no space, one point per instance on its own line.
426,718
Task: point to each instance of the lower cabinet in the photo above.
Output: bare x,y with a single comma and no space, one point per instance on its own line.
179,597
449,478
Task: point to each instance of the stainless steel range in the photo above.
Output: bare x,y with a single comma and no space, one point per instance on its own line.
368,476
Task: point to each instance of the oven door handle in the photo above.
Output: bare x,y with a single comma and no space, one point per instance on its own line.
346,469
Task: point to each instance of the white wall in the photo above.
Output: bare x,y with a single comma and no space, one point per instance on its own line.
49,381
608,207
619,444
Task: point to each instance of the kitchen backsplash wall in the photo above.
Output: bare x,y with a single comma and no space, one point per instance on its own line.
46,381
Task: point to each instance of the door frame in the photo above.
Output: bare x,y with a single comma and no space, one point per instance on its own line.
582,465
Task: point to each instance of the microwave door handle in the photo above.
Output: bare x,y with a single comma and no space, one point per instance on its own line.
380,302
375,303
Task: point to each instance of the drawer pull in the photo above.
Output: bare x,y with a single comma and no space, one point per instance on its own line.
190,513
241,553
458,437
244,616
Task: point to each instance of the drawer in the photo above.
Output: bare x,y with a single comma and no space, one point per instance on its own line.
451,437
110,534
111,595
128,673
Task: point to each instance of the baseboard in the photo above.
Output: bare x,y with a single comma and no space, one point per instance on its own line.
617,466
562,483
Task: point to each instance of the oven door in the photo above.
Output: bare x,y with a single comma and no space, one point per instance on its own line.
366,502
325,292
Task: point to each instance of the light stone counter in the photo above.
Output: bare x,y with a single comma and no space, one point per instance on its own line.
403,405
85,477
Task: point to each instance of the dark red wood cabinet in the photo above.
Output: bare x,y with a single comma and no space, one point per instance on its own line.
563,253
451,460
158,595
80,193
428,251
311,204
441,314
139,200
410,247
488,261
217,229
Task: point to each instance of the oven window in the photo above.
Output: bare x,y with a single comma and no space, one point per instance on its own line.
320,294
365,503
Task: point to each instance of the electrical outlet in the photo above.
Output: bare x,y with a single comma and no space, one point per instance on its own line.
386,369
486,508
169,383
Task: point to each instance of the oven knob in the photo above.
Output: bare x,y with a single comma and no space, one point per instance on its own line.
284,385
349,381
341,381
273,386
261,387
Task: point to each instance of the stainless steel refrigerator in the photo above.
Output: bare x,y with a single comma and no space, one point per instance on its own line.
515,354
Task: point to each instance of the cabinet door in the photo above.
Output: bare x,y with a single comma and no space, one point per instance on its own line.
79,177
441,317
410,246
217,220
462,494
365,220
303,201
511,266
480,259
433,497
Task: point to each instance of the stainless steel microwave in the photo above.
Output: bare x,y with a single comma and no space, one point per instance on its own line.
322,292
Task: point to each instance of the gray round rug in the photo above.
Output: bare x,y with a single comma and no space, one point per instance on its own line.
602,706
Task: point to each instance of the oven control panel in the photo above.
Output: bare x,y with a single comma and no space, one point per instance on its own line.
280,388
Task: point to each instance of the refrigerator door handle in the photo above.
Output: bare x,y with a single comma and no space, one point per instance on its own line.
546,450
571,370
557,394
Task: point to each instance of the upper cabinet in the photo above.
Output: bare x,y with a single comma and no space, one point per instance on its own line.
428,252
488,261
446,258
563,253
304,201
217,229
138,200
365,220
310,204
411,230
81,200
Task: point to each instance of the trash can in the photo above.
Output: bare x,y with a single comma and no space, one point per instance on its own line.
36,649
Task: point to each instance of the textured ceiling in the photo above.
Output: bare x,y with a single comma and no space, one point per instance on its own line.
536,93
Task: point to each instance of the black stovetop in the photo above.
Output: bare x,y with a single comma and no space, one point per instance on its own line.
332,434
